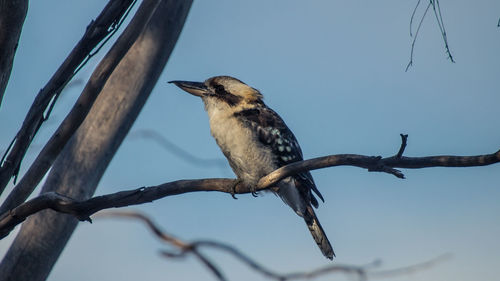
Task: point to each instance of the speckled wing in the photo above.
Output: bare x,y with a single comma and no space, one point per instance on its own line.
273,132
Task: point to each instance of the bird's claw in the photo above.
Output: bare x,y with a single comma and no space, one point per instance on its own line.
254,191
233,189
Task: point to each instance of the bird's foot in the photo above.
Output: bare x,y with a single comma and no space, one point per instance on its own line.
254,191
233,188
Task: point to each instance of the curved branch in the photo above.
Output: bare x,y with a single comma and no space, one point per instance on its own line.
84,209
378,164
362,272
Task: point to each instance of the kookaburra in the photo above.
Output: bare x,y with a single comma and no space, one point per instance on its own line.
256,141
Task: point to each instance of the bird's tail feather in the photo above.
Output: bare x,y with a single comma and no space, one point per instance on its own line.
318,233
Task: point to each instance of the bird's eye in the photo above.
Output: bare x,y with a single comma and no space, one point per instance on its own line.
219,89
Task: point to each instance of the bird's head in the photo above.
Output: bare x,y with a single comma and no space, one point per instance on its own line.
223,89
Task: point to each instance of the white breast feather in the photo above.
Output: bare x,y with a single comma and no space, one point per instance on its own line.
250,160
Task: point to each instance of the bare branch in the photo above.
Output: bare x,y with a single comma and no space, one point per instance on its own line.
83,209
98,30
362,272
410,63
75,117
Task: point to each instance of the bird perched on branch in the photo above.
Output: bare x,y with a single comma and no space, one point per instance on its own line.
256,141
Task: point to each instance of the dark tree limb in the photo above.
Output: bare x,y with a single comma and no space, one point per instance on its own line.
75,117
84,209
184,248
97,31
12,15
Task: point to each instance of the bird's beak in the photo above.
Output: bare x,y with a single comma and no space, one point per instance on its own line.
194,88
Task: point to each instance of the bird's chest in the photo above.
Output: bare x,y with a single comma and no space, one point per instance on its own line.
248,157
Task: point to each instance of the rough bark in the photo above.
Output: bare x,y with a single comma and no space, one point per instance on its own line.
80,166
12,15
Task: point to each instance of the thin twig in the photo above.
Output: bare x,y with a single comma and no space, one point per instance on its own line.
439,18
413,16
410,63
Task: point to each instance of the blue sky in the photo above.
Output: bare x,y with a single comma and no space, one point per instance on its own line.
334,70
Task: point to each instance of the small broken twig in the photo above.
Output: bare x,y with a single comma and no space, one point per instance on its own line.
404,139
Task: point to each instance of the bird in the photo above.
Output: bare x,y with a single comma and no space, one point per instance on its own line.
256,141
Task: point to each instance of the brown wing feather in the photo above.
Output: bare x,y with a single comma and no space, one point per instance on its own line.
273,132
